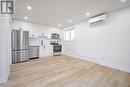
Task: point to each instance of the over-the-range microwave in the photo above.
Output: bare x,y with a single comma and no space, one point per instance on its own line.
55,36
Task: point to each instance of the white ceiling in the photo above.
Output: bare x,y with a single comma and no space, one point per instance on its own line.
54,12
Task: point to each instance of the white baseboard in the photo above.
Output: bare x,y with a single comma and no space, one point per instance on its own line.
94,60
113,66
117,67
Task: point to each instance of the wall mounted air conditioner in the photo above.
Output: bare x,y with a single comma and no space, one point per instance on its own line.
97,19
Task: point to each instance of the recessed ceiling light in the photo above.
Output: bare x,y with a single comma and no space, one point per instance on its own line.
25,18
70,21
87,13
123,0
29,7
59,25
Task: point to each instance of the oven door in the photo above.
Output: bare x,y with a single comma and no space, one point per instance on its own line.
57,48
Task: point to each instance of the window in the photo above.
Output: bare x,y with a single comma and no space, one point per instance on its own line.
69,34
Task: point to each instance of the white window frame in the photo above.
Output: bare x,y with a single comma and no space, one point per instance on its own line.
70,34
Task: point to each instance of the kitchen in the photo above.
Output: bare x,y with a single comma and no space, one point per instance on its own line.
40,43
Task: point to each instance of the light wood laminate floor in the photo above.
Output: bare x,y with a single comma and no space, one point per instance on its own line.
63,71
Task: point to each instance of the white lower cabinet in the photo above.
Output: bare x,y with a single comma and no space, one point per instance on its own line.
46,51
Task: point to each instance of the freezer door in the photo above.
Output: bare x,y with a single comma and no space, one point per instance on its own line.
19,56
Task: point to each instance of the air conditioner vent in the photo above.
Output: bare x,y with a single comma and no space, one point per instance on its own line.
97,19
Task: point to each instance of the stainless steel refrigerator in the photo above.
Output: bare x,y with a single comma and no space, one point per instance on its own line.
20,46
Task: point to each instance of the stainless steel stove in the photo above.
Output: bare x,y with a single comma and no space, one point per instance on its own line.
57,50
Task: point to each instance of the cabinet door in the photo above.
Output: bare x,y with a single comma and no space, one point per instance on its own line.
46,51
42,53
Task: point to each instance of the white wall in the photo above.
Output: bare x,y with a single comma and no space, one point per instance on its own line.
107,44
5,47
36,29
